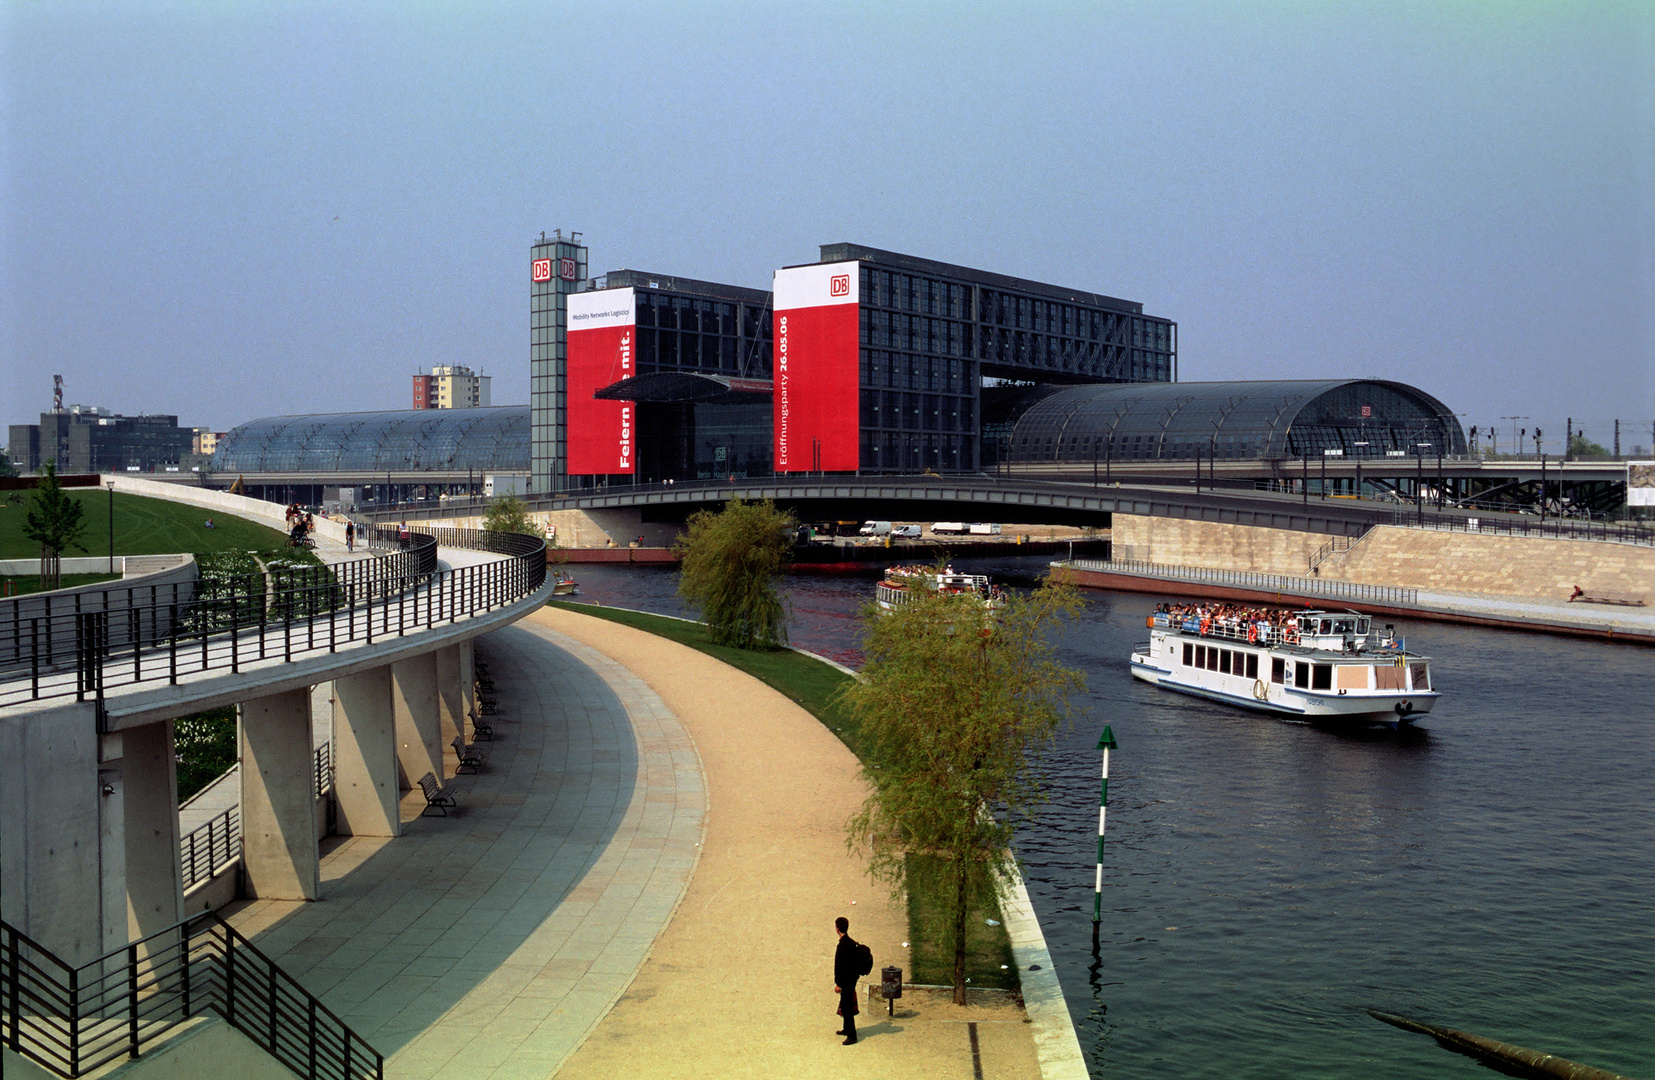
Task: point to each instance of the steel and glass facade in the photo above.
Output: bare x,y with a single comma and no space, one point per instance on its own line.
925,336
557,267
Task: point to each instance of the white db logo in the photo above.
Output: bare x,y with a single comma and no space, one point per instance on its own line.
543,270
839,285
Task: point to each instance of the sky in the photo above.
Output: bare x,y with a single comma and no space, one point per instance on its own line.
231,210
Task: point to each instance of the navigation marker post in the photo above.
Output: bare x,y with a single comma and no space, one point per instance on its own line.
1106,743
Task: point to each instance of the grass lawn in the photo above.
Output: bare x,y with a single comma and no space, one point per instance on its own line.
28,583
813,685
143,526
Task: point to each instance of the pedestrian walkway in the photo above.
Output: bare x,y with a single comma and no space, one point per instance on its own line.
488,944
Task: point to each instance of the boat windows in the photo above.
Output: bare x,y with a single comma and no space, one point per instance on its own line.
1224,661
1422,676
1352,676
1252,665
1278,669
1189,655
1212,659
1321,677
1389,677
1363,626
1301,673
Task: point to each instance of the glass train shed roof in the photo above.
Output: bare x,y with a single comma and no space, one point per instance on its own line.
411,440
1276,419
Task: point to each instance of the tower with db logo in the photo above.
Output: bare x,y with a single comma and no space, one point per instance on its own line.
557,265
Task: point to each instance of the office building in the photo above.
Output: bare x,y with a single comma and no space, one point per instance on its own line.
452,387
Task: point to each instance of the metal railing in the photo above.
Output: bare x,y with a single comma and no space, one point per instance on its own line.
73,1020
1614,532
209,848
1248,579
226,624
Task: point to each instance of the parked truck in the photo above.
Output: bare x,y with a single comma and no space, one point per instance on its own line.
948,528
985,529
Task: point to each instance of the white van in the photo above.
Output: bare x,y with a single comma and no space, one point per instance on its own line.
875,528
906,531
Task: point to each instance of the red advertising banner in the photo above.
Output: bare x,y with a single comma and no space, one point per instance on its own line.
602,350
817,405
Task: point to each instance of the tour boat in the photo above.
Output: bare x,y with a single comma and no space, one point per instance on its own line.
900,581
563,584
1317,666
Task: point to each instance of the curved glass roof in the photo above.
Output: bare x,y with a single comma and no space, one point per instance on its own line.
412,440
1279,419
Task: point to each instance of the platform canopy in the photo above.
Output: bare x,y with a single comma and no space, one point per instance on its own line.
403,441
1236,420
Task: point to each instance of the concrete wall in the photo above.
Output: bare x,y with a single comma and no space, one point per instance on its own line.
160,571
1203,543
582,528
203,1049
1533,567
1541,569
265,513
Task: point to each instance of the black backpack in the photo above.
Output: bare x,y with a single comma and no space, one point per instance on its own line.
864,960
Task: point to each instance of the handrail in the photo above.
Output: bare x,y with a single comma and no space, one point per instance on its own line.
73,1020
1249,579
1618,533
226,624
210,847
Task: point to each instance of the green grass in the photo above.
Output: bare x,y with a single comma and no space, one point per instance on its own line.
143,526
813,685
28,583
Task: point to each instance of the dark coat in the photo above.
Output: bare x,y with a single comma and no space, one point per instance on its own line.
844,963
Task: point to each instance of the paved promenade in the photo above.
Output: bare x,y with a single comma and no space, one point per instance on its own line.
570,921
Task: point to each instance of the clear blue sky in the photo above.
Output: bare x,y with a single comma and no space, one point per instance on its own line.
231,210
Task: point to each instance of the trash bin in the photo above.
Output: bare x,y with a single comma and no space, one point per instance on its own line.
890,986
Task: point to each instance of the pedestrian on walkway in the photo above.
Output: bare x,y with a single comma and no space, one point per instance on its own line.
845,974
350,536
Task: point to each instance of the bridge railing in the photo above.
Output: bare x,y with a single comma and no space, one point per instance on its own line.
73,1020
227,624
1615,532
1255,581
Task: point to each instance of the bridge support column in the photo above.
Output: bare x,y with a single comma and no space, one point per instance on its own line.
365,755
418,723
468,678
149,796
278,798
53,858
450,692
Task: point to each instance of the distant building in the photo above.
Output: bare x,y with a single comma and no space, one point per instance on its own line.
205,441
451,387
89,438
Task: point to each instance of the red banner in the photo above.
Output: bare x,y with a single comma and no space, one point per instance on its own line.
602,340
817,342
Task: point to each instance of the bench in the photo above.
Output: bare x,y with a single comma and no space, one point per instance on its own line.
1606,598
485,686
481,729
485,707
435,797
471,757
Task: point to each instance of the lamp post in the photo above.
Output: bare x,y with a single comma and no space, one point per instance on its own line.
1419,481
1359,452
1106,743
111,526
1542,458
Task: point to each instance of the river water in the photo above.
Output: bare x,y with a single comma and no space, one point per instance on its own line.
1265,882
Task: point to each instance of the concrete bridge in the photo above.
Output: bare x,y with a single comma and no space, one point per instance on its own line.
90,855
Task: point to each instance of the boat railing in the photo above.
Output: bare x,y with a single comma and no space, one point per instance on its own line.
1326,588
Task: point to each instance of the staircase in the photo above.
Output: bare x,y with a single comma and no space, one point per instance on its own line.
1337,546
72,1020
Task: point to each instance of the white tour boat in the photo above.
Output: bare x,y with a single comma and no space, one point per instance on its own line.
1317,666
900,581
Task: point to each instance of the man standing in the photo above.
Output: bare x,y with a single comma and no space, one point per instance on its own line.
845,974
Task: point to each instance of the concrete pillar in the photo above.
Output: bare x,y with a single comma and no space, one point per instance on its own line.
52,858
365,755
278,798
468,677
418,725
149,796
450,694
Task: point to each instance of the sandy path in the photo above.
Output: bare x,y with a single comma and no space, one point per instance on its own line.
740,982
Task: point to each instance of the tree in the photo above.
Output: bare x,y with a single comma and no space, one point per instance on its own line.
509,514
6,467
1582,447
956,700
56,522
731,560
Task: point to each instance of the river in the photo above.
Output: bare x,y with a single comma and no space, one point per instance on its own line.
1265,882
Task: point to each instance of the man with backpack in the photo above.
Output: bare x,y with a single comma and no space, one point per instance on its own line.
851,961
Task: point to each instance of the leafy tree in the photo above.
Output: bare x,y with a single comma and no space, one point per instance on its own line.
1582,447
957,701
6,467
509,514
206,747
56,522
731,561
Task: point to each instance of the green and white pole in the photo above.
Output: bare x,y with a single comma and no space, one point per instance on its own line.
1106,743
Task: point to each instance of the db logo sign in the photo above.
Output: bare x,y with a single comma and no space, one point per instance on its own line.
839,285
566,269
543,269
1367,410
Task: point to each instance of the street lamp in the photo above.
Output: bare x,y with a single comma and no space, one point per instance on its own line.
111,526
1359,453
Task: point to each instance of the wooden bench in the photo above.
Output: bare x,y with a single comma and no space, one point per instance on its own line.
481,729
1606,598
486,707
471,757
435,797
